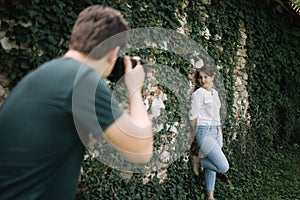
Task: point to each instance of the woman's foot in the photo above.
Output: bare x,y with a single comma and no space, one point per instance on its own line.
211,198
196,165
210,195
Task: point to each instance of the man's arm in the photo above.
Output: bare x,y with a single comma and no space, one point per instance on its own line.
132,133
133,141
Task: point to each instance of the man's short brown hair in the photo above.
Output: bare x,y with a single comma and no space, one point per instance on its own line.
95,25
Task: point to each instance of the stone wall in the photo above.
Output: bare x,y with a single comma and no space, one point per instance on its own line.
4,88
241,96
241,101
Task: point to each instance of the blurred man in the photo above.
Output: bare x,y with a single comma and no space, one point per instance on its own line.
41,150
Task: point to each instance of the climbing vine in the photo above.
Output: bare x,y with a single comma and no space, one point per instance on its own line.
33,32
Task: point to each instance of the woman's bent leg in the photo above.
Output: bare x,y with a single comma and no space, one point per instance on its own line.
216,160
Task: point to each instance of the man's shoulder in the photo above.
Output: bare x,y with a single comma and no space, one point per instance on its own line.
60,63
58,69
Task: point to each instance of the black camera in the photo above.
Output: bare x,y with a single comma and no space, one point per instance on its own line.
119,68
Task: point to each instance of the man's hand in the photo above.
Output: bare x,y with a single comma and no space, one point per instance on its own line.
134,77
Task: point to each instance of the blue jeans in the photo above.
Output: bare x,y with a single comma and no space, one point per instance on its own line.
210,141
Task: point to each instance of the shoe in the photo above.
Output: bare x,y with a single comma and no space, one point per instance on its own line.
196,163
211,198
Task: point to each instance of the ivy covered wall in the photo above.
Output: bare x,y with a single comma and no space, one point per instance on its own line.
254,44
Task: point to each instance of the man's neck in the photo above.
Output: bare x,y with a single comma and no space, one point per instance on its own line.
98,65
76,55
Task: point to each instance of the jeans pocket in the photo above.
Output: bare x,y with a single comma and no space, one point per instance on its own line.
202,132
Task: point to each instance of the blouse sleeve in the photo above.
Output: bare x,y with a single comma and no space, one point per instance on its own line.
194,107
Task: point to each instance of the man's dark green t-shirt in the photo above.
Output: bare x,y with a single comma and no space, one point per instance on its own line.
41,129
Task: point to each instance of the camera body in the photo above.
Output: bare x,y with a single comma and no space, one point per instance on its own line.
119,68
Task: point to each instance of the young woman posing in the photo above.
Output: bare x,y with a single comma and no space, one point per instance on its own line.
205,120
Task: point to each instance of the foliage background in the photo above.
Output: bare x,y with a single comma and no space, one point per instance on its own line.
42,29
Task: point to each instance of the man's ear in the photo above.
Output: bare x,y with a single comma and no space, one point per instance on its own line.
113,54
